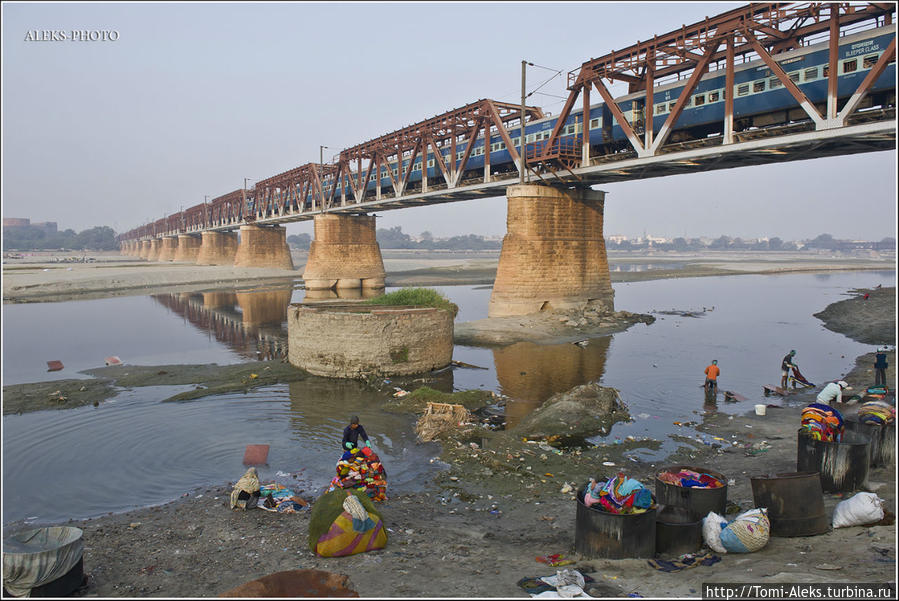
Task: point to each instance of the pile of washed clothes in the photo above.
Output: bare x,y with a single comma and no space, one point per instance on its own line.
618,494
877,412
822,422
690,479
278,498
362,470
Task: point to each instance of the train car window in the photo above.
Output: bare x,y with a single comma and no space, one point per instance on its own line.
811,74
671,106
659,110
794,76
774,82
825,71
713,97
594,123
699,99
758,86
869,61
850,66
742,90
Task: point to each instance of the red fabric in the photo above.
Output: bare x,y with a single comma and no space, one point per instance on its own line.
256,454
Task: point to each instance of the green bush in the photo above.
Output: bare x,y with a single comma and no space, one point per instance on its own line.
420,297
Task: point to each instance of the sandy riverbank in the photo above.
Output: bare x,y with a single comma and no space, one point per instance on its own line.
45,278
446,542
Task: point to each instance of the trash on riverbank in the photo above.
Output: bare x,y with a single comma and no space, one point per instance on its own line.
54,365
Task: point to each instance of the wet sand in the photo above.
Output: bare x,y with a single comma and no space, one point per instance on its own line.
477,527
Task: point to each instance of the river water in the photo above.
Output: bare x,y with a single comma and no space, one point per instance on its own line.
135,451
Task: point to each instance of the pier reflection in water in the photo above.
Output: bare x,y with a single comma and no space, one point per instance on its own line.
249,322
530,373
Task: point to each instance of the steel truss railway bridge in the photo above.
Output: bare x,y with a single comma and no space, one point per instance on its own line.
553,255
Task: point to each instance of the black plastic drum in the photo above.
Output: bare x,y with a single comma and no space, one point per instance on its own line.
677,532
843,465
601,534
699,501
883,440
795,503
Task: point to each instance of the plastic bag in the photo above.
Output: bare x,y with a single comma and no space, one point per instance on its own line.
712,524
863,508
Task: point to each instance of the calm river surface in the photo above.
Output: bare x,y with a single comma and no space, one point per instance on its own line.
135,451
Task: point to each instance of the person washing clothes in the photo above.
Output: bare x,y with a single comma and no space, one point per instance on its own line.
833,391
352,433
711,377
785,367
880,367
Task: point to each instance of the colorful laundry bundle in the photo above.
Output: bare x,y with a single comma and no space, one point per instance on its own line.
822,422
363,472
618,494
691,479
877,412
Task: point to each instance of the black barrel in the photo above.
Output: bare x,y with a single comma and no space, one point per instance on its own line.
699,501
601,534
843,465
677,532
883,440
795,503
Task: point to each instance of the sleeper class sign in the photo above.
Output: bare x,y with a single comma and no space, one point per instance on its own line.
72,35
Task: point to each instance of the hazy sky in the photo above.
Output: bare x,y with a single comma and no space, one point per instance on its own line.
192,98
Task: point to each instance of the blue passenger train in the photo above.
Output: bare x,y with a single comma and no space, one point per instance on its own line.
760,100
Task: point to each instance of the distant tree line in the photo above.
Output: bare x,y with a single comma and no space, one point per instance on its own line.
823,242
34,238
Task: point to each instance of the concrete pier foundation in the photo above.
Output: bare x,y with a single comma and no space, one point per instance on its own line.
155,247
344,254
144,251
554,254
217,300
168,248
263,246
188,248
217,248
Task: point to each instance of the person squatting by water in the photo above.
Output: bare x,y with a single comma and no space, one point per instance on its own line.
352,433
785,366
833,391
711,377
880,367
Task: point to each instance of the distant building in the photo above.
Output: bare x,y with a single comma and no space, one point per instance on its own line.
16,222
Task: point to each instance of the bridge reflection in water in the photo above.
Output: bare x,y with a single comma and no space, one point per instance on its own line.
250,322
530,373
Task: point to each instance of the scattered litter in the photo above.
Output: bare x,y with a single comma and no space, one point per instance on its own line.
281,474
400,393
113,360
256,454
581,343
54,365
863,508
555,560
608,463
468,365
134,525
827,566
687,561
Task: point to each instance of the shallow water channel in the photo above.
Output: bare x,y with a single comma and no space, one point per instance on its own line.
134,451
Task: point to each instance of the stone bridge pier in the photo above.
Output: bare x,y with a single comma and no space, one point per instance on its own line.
188,248
144,250
263,246
344,254
217,248
168,248
553,254
155,247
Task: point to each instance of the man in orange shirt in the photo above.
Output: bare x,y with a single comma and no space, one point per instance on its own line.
711,377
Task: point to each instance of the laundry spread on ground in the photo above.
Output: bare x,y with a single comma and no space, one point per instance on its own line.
877,412
618,494
363,471
822,422
690,479
278,498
